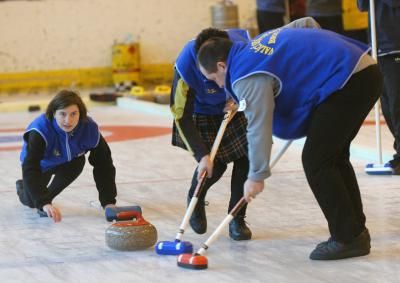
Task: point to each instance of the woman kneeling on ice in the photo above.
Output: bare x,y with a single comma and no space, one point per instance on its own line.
55,143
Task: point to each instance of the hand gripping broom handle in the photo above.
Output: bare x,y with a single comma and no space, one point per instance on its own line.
237,207
200,185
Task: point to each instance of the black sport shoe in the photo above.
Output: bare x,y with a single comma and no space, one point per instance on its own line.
331,249
324,243
198,220
238,229
395,165
24,199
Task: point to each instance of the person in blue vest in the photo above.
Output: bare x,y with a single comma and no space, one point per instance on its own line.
387,14
295,83
198,107
54,149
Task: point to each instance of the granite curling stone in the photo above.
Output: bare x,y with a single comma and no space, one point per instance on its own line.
131,235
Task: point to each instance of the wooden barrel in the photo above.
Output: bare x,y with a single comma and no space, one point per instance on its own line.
225,16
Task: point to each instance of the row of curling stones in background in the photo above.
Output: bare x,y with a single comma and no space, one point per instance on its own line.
160,94
130,231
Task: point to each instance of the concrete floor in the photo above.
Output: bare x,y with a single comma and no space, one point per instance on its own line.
285,220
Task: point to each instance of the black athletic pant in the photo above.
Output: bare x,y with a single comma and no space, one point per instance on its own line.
326,153
332,23
239,176
64,175
335,23
390,100
269,20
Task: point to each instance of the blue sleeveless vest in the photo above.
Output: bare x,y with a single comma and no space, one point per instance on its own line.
210,98
62,147
310,65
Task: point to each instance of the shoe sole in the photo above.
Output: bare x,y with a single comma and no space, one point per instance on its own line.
343,255
240,239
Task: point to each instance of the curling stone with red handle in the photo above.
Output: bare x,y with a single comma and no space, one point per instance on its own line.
131,235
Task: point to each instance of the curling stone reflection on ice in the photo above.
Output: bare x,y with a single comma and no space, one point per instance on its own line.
131,235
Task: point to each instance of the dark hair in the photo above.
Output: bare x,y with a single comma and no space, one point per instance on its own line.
212,51
64,99
208,33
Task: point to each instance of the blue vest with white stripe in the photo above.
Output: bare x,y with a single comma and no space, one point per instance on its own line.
62,147
210,98
310,65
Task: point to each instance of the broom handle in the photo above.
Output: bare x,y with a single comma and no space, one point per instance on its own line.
286,17
227,118
279,154
200,184
373,29
375,56
237,207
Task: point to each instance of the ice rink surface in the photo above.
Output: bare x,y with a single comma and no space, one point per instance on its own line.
285,219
